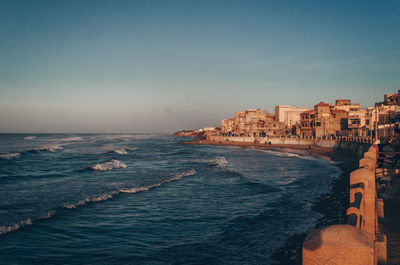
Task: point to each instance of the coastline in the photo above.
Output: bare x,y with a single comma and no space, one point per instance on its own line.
333,205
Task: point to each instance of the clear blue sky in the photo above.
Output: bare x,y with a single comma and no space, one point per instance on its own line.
160,66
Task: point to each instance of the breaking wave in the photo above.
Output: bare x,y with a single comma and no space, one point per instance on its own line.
110,195
112,164
29,137
14,227
10,156
278,153
71,139
49,148
27,222
121,151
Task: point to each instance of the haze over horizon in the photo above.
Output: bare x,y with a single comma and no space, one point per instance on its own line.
162,66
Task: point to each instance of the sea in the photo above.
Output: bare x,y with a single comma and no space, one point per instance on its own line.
149,199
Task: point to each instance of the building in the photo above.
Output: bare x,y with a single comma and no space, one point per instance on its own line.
251,121
392,99
227,127
324,120
345,104
357,123
307,119
289,115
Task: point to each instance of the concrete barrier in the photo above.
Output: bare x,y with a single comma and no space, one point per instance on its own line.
360,241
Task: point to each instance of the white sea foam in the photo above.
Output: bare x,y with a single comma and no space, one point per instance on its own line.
110,195
278,153
72,139
10,156
29,137
14,227
109,165
50,148
131,148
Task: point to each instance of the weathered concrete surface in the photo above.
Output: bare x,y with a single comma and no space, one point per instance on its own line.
338,245
368,163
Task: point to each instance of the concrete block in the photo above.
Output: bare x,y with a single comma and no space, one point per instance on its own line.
371,154
367,162
338,245
380,208
381,249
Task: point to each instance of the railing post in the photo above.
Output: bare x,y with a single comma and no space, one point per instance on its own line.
367,208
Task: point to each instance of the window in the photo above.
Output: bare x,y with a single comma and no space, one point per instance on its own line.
312,116
367,122
318,123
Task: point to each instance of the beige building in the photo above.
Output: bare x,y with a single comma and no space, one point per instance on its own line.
392,99
357,123
289,115
345,104
250,121
227,126
324,120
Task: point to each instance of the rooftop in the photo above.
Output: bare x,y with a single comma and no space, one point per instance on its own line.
322,104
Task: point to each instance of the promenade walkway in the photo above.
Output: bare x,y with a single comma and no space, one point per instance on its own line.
388,172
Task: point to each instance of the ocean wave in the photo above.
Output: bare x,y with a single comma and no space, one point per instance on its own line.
14,227
110,195
29,137
124,151
49,148
112,164
10,156
121,151
72,139
280,154
131,148
99,198
27,222
219,161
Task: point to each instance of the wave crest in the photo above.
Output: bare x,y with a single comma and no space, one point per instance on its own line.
110,195
29,137
121,151
71,139
50,148
112,164
280,154
10,156
219,161
14,227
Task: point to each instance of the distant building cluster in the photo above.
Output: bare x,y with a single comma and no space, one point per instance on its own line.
343,118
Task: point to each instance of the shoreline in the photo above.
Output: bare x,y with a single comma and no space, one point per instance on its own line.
332,206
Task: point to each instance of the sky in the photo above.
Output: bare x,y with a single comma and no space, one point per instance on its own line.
159,66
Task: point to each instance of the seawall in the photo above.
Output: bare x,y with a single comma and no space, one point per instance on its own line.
356,145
